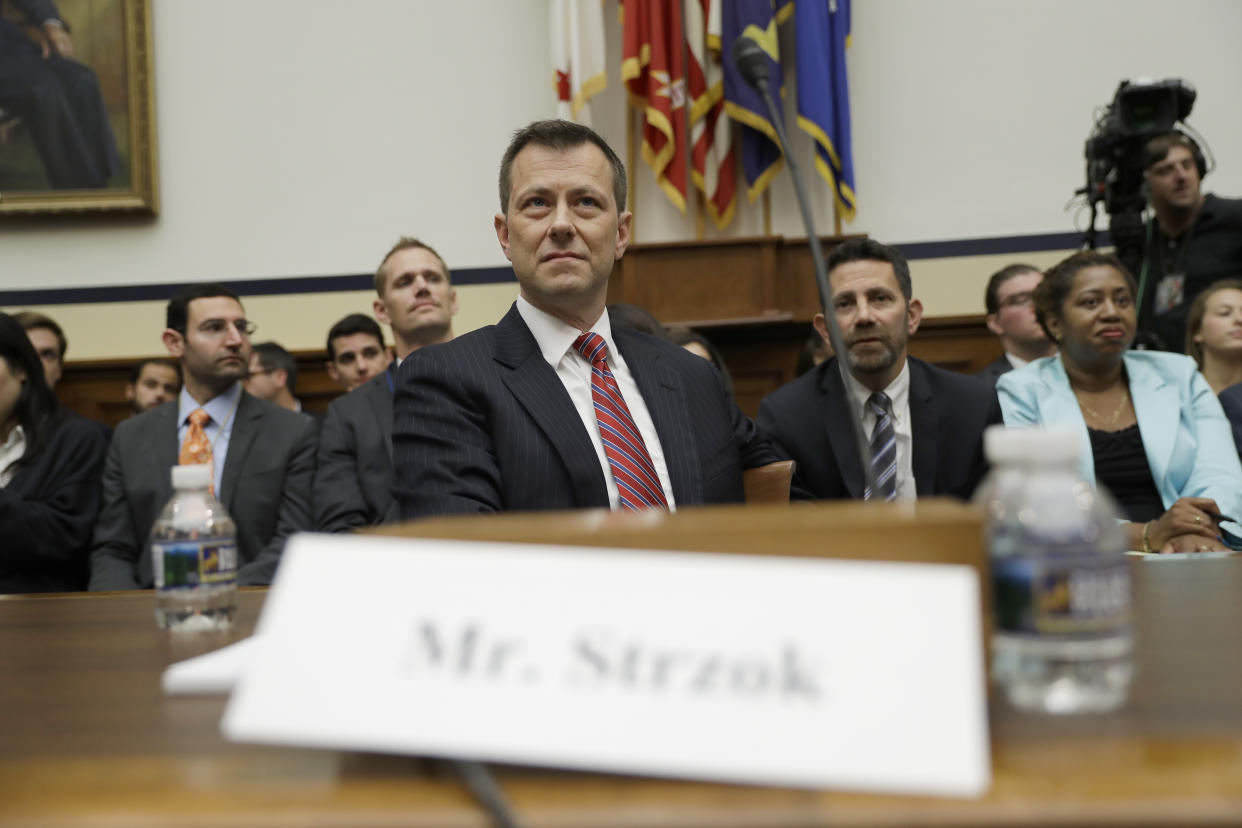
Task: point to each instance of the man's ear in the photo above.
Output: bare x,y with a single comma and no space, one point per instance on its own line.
625,223
174,343
332,372
381,312
281,377
994,325
821,327
914,313
502,233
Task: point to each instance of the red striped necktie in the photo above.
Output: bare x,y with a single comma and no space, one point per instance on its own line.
637,482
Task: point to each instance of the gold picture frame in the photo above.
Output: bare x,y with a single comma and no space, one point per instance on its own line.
98,30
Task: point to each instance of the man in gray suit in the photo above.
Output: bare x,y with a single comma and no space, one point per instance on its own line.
263,456
354,471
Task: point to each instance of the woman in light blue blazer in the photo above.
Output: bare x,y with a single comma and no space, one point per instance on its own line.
1152,431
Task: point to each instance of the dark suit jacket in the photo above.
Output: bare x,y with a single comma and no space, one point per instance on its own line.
484,424
1231,401
353,476
48,510
809,420
995,369
266,488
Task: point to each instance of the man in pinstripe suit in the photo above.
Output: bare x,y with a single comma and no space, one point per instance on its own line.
503,418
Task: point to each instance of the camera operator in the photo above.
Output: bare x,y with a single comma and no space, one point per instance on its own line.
1192,241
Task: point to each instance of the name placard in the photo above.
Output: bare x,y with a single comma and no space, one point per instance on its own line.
778,671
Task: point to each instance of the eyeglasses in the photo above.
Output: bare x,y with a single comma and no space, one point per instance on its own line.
218,327
1018,300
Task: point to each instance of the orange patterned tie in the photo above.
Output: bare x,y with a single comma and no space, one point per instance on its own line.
196,449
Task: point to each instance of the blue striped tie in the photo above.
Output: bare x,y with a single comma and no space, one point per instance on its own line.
883,449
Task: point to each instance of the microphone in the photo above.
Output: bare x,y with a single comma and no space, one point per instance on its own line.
753,65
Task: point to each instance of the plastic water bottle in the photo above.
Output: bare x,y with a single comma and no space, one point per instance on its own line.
1061,582
194,555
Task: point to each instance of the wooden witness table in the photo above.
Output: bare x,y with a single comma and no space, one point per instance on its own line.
88,739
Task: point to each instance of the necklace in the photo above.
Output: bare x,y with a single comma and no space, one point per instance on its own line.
1111,418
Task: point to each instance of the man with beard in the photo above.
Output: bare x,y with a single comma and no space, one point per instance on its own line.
262,456
152,382
1192,241
925,424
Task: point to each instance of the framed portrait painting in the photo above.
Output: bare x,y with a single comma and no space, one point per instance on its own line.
77,107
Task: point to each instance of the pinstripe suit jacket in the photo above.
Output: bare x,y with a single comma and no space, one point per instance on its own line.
484,424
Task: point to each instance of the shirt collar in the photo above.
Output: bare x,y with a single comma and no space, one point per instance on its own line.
16,436
218,407
554,337
1016,361
898,392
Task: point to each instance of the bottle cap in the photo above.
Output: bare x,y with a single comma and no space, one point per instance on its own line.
1047,446
191,477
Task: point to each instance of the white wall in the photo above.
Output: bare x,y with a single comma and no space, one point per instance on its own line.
301,138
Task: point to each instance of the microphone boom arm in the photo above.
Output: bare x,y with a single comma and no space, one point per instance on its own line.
752,64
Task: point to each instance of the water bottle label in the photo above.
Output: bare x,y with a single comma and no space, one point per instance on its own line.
1051,596
185,564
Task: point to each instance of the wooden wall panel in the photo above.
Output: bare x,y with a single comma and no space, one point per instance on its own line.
754,298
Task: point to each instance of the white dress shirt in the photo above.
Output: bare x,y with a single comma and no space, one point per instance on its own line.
1016,361
12,450
222,409
556,343
898,392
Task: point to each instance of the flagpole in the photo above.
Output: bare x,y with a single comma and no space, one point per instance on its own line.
836,217
631,163
700,214
767,212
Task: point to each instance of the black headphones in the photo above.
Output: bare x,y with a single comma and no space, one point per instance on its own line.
1195,151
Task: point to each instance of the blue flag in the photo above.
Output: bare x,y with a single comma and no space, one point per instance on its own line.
823,33
757,19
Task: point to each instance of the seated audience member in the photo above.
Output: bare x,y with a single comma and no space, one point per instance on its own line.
1011,316
273,375
1193,238
151,383
815,350
699,345
50,462
1214,333
49,343
1214,339
505,417
1152,431
262,456
356,351
353,480
624,315
925,424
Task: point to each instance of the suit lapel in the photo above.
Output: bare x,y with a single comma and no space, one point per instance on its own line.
536,387
165,448
840,429
1159,415
925,417
380,400
662,393
245,428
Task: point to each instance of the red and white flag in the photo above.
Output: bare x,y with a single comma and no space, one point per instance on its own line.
577,56
651,69
712,164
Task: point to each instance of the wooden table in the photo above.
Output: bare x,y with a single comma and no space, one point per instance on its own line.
87,738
